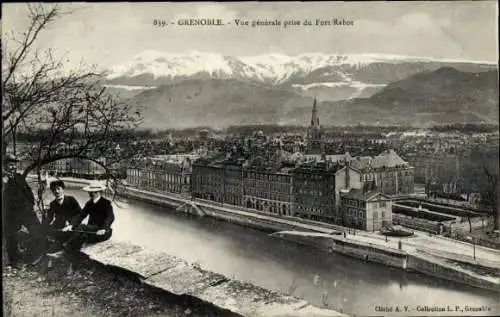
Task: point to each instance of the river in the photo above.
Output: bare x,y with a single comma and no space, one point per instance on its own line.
346,284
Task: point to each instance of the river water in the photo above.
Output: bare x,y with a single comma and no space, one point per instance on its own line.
346,284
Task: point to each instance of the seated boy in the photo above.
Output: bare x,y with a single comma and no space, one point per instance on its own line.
61,211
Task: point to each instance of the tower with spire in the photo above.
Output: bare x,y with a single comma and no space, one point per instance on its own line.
315,133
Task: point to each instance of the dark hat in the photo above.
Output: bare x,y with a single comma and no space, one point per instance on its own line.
56,183
10,158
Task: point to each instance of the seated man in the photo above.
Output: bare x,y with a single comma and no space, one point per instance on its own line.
61,211
98,227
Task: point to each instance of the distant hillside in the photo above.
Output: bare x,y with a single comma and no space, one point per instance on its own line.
219,103
442,96
341,82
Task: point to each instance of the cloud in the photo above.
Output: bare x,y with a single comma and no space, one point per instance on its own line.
105,33
416,21
408,24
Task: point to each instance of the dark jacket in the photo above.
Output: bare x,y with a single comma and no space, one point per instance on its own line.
18,201
60,213
100,214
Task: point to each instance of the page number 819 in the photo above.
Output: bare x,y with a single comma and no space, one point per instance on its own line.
159,23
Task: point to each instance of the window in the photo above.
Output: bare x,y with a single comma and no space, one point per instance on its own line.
382,204
375,215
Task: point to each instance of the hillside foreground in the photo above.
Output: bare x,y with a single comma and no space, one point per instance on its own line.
92,290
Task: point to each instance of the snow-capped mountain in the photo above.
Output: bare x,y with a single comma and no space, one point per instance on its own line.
275,68
331,76
433,97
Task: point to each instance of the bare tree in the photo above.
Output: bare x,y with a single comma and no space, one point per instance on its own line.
70,111
490,194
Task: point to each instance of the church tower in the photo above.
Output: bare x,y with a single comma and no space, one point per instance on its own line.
315,133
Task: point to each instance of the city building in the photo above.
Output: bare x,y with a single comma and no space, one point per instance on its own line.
365,208
234,181
258,173
346,178
77,167
162,173
332,159
256,183
269,189
208,179
314,191
391,174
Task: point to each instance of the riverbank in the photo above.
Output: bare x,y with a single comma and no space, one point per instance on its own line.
402,253
92,290
367,246
418,260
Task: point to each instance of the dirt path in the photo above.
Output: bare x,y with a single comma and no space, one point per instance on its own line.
27,294
23,297
90,291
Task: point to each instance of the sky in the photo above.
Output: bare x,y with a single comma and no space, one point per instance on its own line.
107,34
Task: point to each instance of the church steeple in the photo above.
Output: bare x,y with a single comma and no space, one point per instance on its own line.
315,138
314,116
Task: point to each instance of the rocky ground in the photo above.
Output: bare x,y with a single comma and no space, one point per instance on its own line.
92,290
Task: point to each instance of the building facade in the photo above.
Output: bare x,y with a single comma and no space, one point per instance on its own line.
208,180
269,190
365,209
162,174
346,178
234,182
314,192
331,189
77,167
392,175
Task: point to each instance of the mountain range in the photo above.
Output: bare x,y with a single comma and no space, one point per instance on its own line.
443,96
185,90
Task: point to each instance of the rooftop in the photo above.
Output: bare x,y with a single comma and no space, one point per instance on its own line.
361,194
368,192
387,159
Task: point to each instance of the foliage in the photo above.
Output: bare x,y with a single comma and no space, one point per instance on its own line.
72,115
61,112
466,128
490,194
